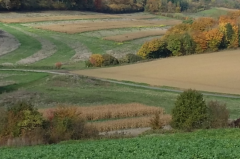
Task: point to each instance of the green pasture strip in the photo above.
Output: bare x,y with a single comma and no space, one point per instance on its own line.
63,54
213,12
202,144
21,79
28,46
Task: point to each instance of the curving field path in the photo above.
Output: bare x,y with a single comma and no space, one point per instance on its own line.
48,48
215,72
8,43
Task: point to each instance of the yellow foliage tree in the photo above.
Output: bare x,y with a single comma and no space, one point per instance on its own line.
203,24
214,38
96,60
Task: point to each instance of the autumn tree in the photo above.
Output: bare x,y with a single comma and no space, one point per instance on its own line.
214,38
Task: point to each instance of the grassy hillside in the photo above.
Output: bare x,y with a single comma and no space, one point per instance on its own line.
46,90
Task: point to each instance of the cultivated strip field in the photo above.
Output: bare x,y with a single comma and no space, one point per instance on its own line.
139,122
213,72
61,18
136,35
117,116
93,26
55,18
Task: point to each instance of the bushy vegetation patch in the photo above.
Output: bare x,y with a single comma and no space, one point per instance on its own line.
219,115
22,125
190,111
98,60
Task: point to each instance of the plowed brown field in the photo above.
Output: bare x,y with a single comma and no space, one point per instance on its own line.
135,35
213,72
93,26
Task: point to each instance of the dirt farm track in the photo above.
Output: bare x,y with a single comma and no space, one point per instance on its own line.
212,72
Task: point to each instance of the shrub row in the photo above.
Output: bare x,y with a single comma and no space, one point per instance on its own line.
98,60
192,112
191,37
22,124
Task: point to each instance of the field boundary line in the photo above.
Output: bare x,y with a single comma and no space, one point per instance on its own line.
122,83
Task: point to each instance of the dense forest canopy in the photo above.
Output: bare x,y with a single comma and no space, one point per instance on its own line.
118,6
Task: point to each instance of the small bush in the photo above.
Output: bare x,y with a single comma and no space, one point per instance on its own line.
132,58
123,60
58,65
20,118
109,60
88,64
156,122
190,111
65,123
218,114
96,60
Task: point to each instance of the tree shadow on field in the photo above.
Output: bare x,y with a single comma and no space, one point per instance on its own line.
8,88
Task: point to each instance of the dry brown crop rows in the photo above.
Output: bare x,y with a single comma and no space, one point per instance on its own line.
113,111
127,123
93,26
135,35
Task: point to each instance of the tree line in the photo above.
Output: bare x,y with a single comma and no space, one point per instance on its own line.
117,6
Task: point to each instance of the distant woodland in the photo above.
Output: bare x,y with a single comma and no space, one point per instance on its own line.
117,6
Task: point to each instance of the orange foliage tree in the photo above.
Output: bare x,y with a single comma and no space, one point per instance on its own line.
200,40
203,24
214,39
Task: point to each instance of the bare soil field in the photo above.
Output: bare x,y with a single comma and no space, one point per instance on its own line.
212,72
93,26
136,35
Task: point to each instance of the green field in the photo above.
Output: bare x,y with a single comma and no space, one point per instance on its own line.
221,144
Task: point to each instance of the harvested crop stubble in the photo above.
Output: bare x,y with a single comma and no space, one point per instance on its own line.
55,18
47,50
135,35
93,26
114,111
127,123
215,72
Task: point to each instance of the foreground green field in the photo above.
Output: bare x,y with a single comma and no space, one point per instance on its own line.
47,90
221,144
